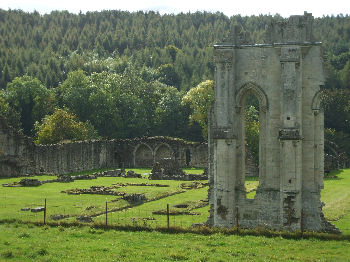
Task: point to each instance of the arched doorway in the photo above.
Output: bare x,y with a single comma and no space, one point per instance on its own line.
143,156
188,156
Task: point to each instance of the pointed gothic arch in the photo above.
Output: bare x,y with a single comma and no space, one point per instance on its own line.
243,92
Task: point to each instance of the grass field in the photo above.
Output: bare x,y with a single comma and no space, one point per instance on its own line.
31,243
17,198
27,242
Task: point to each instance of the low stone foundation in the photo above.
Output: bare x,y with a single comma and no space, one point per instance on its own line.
168,169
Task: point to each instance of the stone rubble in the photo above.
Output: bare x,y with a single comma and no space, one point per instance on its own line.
37,209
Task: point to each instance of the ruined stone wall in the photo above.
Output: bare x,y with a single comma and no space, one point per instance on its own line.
140,152
16,151
19,155
285,74
146,151
74,157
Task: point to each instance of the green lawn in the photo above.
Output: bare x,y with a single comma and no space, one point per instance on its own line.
26,242
31,243
17,198
336,195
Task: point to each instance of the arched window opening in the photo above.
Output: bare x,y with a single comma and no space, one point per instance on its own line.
188,157
252,143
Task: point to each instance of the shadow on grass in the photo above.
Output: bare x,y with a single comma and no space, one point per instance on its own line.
200,230
334,175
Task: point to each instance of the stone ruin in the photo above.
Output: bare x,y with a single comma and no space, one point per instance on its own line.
285,74
169,169
166,169
19,156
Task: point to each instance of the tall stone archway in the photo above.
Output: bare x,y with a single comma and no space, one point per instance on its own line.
285,74
258,92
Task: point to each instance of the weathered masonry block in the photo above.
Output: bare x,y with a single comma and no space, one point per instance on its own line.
285,74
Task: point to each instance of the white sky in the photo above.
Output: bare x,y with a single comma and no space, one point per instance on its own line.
249,7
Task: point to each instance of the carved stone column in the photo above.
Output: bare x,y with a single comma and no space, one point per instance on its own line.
223,138
290,136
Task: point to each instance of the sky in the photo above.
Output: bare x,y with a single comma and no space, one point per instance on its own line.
318,8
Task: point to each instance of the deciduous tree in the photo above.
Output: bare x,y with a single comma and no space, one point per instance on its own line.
200,99
62,125
31,99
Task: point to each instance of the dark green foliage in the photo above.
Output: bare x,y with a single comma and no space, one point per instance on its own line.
169,76
113,68
252,127
50,46
31,99
12,117
129,104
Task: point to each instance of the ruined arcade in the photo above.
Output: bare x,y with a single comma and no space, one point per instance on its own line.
285,74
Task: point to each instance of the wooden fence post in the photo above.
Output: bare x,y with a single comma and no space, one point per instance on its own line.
106,214
167,214
45,213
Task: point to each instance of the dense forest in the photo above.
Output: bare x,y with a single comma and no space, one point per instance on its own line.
125,74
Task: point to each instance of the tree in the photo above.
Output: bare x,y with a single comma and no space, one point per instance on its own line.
346,75
252,126
336,104
62,125
31,99
169,116
172,51
74,94
5,76
105,115
169,76
11,116
336,109
200,99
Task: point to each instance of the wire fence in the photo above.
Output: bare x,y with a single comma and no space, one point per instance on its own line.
131,216
139,216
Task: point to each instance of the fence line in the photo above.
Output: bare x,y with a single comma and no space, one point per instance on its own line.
135,217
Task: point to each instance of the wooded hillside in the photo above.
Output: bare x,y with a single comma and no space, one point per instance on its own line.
49,46
126,73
